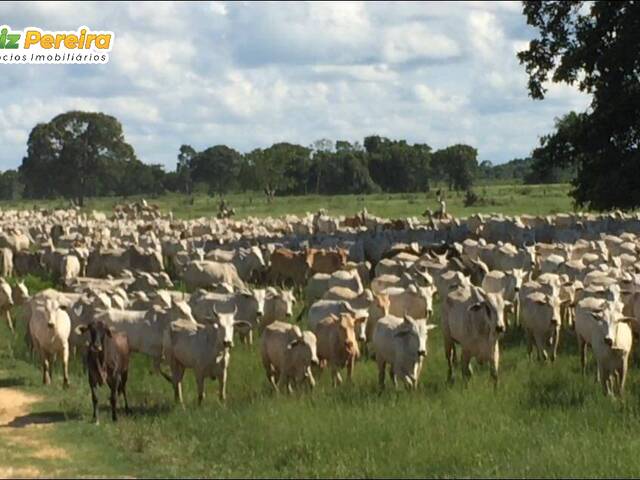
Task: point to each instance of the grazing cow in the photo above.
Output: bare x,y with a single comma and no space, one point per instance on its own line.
611,343
49,328
401,344
205,348
204,274
6,302
288,354
289,266
326,261
541,318
107,362
338,345
475,320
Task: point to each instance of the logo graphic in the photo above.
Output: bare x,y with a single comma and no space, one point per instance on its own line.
33,45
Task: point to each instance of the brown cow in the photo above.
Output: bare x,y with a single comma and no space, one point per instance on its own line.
337,344
108,362
326,261
289,266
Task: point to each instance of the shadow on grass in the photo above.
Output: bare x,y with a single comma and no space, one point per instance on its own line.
40,418
12,382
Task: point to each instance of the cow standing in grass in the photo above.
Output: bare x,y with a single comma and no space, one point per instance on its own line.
108,362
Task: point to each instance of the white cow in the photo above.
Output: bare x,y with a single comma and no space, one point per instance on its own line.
541,318
49,327
401,344
475,320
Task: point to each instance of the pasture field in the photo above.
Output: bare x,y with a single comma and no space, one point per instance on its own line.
506,199
543,421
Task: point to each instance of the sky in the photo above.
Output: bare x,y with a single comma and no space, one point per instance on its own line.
248,75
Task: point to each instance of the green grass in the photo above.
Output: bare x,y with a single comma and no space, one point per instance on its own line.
544,421
507,199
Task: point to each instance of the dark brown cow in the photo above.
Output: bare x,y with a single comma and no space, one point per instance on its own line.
107,362
326,261
289,266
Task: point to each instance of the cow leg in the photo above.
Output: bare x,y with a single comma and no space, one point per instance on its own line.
200,383
223,385
622,376
94,401
466,365
555,341
529,343
394,377
7,314
582,350
350,366
177,372
449,354
46,376
381,367
123,390
157,368
113,398
604,380
272,376
65,366
335,373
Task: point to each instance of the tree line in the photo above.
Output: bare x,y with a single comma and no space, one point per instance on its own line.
84,154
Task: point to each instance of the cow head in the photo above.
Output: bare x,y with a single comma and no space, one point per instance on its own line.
225,323
553,303
20,293
608,320
345,326
5,292
414,333
490,306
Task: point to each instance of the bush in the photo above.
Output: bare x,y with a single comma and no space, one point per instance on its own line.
471,198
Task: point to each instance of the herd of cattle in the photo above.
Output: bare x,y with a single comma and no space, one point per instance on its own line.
367,284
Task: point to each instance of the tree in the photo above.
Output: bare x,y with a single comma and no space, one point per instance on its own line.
397,166
68,155
596,46
282,168
458,165
185,167
218,167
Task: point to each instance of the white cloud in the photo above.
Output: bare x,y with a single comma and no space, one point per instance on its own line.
249,74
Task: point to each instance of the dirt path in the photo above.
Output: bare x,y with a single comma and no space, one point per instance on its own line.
23,431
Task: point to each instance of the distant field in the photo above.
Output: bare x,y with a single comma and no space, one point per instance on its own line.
544,421
507,199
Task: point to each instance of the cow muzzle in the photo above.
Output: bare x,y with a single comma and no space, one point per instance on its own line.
499,328
51,324
228,344
422,353
608,342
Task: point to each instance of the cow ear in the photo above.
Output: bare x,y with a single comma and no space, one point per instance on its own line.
81,329
597,315
109,331
627,319
293,343
431,327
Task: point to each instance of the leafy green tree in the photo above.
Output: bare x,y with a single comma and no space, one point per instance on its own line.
185,167
596,46
458,164
10,185
218,167
68,155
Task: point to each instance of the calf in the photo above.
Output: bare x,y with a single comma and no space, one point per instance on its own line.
108,362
